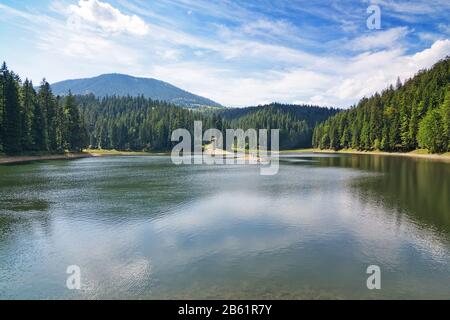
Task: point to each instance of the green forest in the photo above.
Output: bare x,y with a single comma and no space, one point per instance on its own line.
37,122
411,115
137,123
296,122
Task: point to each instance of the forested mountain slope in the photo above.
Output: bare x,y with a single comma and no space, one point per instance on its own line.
138,123
125,85
296,122
415,114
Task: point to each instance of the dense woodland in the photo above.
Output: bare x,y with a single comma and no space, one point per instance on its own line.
137,123
296,122
402,118
33,121
415,114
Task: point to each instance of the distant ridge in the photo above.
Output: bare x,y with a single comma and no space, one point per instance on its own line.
124,85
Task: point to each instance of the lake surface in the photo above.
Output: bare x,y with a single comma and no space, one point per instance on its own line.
143,228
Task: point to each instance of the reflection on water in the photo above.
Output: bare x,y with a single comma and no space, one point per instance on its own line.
418,188
140,227
23,205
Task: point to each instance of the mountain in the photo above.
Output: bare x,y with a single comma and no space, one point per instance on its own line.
124,85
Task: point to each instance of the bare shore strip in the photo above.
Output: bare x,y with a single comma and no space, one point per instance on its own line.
419,154
66,156
72,156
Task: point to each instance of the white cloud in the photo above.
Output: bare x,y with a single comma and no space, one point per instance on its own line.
427,57
430,36
349,26
170,55
444,28
235,66
378,39
265,26
88,48
108,18
65,53
332,81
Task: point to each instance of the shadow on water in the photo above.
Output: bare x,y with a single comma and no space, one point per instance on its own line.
416,187
23,205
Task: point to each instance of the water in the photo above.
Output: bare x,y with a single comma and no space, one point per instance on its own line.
142,228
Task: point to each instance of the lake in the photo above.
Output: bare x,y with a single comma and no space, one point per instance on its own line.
143,228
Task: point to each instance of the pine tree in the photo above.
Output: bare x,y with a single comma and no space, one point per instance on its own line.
445,110
12,122
398,84
48,107
431,135
28,102
413,128
75,132
3,72
38,129
60,125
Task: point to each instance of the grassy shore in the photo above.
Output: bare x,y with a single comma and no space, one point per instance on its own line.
107,153
4,159
27,158
420,153
88,153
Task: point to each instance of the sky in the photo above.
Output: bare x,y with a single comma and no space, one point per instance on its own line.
238,53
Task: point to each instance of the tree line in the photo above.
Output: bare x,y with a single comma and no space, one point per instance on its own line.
295,122
33,121
405,117
411,115
137,123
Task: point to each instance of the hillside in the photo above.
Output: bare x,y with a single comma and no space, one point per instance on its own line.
136,123
296,122
124,85
415,114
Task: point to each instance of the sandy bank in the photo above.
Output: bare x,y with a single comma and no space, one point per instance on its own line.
420,154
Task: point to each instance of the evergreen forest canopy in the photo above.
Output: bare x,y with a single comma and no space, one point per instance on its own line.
415,114
42,122
296,122
138,123
33,121
411,115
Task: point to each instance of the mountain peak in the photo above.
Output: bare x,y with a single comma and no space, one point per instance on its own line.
123,85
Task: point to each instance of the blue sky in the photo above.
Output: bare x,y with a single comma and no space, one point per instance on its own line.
238,53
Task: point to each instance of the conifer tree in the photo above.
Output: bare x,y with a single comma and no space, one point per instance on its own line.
3,72
75,131
28,105
48,108
12,121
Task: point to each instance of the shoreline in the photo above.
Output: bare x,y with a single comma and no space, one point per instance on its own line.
73,156
418,154
20,159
